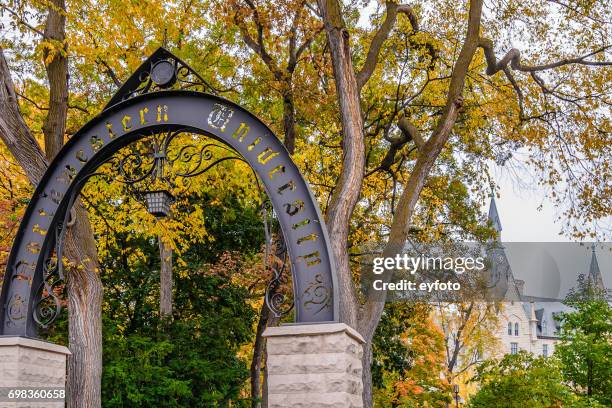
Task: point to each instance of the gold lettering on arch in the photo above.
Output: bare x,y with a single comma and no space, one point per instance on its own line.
162,113
142,112
311,259
274,172
126,122
294,207
219,116
266,155
242,132
111,134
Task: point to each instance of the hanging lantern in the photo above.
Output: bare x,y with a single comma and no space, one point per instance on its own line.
158,202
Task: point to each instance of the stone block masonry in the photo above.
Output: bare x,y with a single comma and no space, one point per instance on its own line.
314,366
29,363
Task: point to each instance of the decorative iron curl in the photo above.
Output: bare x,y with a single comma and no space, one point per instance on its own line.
144,86
48,307
167,163
317,294
197,159
132,162
275,300
188,79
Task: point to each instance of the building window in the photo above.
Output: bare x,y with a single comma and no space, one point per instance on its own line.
509,329
513,348
516,329
545,350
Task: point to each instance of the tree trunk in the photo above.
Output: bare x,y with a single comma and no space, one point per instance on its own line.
84,285
165,279
349,184
272,321
367,374
348,187
289,120
258,356
85,316
57,74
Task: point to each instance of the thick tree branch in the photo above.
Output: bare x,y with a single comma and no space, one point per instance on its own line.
410,131
307,43
393,9
293,39
258,45
13,130
517,89
513,58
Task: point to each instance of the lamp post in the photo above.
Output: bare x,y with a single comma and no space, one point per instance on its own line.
456,391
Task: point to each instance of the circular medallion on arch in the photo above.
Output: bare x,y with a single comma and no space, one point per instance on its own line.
163,73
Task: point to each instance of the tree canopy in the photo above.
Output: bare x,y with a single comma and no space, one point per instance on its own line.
395,113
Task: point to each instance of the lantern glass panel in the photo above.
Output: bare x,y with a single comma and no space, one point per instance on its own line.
158,202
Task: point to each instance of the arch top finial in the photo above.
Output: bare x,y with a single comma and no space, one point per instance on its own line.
162,70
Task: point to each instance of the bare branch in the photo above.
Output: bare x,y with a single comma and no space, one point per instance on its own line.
257,45
110,72
575,10
513,57
21,21
37,106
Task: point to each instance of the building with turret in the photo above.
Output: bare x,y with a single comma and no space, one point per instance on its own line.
526,322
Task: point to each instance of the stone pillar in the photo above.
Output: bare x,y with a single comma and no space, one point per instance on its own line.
314,366
27,363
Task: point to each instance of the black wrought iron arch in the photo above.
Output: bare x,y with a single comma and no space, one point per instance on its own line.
304,232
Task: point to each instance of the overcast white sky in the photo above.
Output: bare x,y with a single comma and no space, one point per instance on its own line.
521,219
526,214
548,270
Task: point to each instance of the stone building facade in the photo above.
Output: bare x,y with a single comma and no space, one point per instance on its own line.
525,322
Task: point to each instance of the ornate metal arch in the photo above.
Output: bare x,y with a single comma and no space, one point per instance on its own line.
30,267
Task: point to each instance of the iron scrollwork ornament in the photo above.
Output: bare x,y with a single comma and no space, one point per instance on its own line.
48,306
156,158
317,294
275,250
16,309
